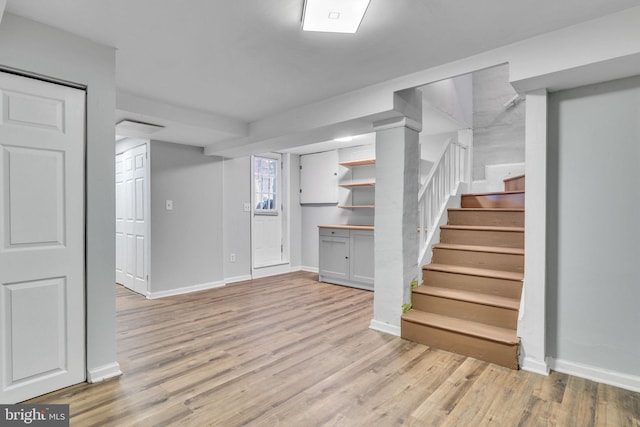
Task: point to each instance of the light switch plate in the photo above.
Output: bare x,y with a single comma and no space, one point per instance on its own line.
247,207
169,205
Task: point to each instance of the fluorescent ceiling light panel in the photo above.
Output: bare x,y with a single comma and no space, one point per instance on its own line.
333,16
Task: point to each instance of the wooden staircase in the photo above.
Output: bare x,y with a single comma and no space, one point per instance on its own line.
469,300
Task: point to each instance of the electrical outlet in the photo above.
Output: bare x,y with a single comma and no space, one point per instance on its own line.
232,257
169,205
247,207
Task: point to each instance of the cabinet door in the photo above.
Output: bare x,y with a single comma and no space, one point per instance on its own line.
319,177
334,257
362,256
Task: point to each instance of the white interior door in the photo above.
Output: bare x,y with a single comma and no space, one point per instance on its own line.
266,235
120,217
131,219
267,238
42,323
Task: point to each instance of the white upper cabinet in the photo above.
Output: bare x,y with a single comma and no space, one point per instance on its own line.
319,177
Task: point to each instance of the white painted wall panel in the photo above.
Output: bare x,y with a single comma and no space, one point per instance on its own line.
594,234
186,242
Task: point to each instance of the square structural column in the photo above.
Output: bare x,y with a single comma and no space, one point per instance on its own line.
396,220
532,322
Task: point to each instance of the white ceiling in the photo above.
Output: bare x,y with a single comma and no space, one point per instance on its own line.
245,60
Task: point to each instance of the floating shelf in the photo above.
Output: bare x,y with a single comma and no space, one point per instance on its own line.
359,184
357,206
362,162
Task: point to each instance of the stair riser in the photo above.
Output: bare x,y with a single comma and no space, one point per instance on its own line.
516,184
486,285
490,351
503,239
488,260
514,200
500,219
496,316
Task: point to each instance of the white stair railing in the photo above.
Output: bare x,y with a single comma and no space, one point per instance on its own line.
452,168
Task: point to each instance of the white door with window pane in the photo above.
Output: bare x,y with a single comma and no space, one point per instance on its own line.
42,322
267,211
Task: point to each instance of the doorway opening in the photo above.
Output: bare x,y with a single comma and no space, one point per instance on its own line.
269,219
132,215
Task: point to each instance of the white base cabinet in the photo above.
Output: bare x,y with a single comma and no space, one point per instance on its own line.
347,257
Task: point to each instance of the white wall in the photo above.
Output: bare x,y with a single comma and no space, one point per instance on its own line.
128,143
294,212
452,99
186,242
498,132
593,253
36,48
236,222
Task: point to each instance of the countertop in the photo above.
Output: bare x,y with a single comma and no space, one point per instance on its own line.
348,227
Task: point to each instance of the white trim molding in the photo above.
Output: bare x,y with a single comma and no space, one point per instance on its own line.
309,269
376,325
104,372
185,290
594,373
532,365
237,279
271,270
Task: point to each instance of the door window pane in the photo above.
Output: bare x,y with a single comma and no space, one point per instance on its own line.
265,177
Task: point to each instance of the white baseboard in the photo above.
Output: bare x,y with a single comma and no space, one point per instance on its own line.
272,270
237,279
376,325
535,366
601,375
185,290
309,269
104,372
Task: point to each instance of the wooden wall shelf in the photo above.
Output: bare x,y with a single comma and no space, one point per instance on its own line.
362,162
358,184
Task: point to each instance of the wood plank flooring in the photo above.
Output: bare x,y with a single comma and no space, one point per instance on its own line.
289,351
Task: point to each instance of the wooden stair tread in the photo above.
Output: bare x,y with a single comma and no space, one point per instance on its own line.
482,228
472,271
468,296
513,178
474,248
493,193
465,327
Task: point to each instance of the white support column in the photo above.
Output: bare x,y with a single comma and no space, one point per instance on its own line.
531,324
396,220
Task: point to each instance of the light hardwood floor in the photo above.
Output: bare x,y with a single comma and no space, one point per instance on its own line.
289,351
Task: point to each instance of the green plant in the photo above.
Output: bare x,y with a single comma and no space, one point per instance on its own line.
406,307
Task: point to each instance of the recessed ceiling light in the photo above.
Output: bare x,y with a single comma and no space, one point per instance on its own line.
334,16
